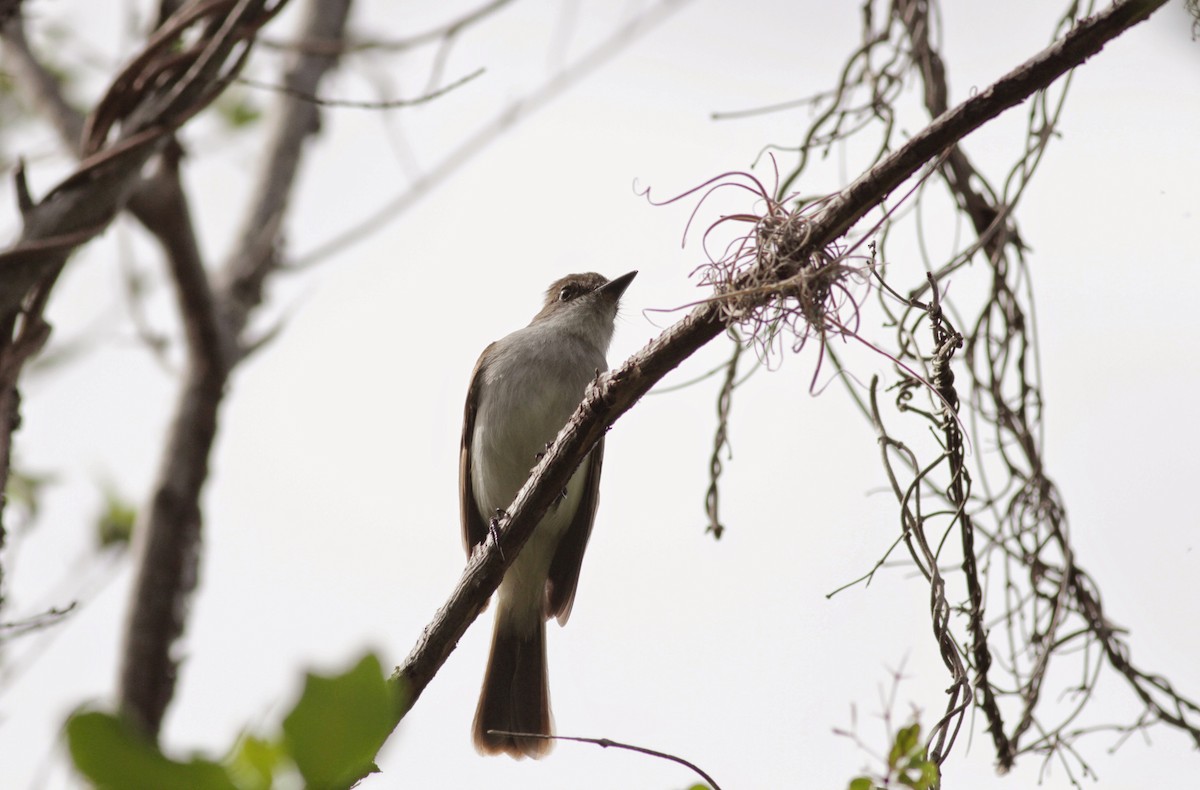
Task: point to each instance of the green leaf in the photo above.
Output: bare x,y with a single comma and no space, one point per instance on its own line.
24,489
340,723
861,783
113,754
237,110
908,740
114,527
930,775
255,763
923,778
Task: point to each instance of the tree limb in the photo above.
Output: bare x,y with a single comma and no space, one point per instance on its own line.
171,527
215,319
83,204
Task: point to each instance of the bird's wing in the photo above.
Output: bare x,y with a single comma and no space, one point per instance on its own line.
564,568
474,527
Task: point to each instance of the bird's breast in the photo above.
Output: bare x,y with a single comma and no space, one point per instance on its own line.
529,391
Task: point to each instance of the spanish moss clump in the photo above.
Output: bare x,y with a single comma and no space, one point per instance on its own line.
769,282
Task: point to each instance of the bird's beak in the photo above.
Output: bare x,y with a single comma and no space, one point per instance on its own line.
614,288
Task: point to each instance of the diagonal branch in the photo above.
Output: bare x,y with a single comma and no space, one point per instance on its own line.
615,392
241,279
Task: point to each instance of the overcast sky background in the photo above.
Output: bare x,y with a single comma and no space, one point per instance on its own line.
332,521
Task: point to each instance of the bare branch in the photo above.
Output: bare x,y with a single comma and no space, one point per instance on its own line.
37,622
91,196
40,85
242,276
606,743
489,132
168,560
85,202
390,104
158,91
345,46
214,319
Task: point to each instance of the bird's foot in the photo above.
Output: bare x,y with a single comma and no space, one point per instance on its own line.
494,529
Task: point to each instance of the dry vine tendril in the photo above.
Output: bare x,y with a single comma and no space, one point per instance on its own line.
987,529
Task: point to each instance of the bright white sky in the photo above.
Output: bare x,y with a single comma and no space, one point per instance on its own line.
332,512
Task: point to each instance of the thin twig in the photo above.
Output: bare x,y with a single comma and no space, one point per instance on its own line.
356,104
606,743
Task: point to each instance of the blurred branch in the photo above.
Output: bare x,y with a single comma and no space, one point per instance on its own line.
36,622
348,45
615,392
215,317
177,86
8,9
489,132
39,85
240,281
159,90
83,203
170,531
389,104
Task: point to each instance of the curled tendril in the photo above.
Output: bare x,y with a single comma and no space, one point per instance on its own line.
769,282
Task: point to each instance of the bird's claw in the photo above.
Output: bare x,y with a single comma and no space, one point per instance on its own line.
494,529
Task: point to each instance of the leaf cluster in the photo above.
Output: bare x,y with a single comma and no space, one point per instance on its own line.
328,741
908,765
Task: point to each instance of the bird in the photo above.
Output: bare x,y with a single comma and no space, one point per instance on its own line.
523,390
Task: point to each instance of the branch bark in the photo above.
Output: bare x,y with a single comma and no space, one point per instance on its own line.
171,527
615,392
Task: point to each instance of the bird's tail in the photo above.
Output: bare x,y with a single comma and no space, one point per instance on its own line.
515,696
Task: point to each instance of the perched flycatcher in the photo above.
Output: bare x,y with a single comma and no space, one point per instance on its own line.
524,389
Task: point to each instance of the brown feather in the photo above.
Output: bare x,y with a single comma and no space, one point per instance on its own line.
474,528
568,558
516,694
